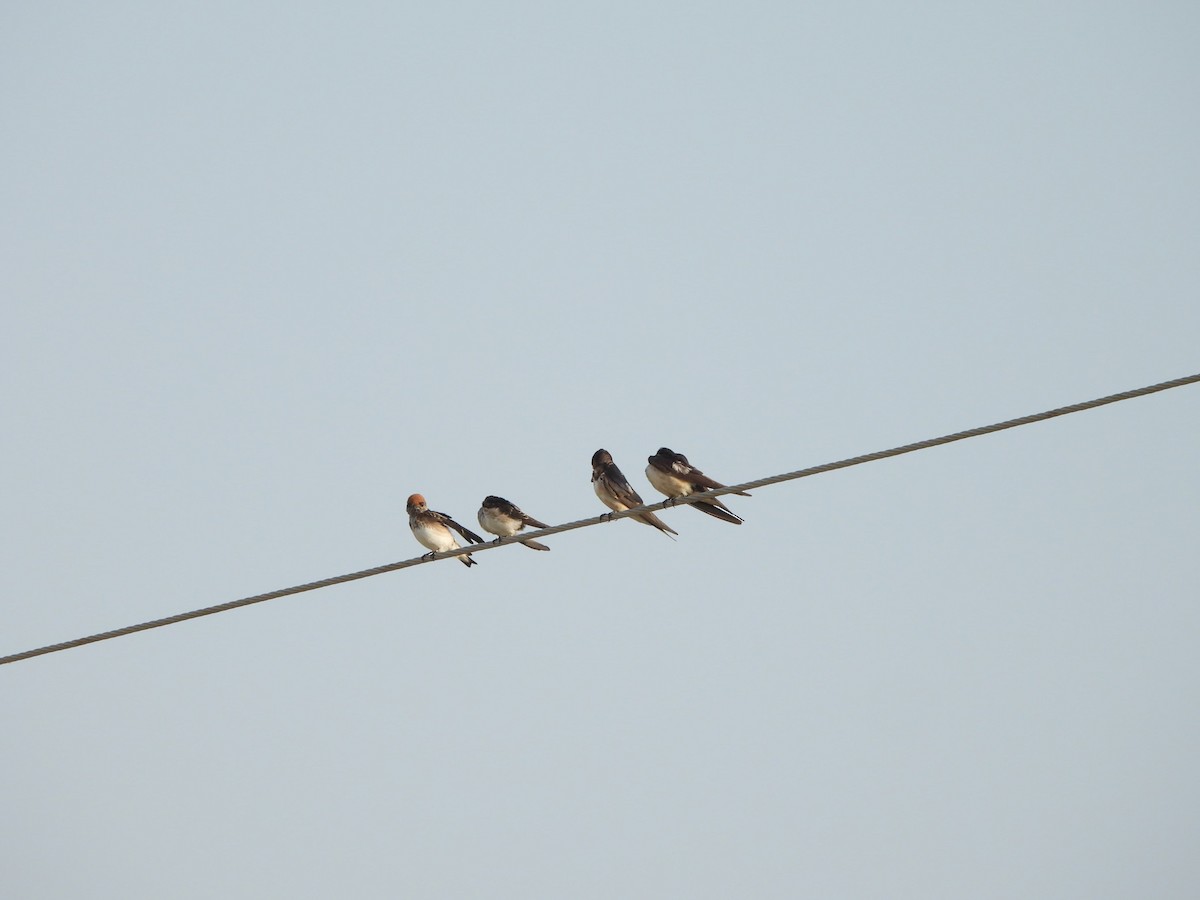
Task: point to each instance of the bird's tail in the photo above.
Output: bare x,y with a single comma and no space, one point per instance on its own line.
717,509
467,561
535,545
649,518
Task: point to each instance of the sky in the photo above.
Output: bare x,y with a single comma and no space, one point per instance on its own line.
270,268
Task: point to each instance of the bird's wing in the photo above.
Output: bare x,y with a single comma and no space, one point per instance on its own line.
469,535
621,488
695,476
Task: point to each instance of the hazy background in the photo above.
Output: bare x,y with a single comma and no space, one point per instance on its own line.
269,268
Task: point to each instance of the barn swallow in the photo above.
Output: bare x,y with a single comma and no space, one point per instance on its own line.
618,494
432,529
673,475
498,516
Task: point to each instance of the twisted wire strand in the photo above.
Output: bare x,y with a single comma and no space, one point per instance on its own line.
608,517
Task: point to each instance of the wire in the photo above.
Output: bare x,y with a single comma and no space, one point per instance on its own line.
608,517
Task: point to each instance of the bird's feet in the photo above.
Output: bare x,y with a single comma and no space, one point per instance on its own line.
430,555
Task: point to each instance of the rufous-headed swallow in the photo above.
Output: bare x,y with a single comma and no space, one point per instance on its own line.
432,529
498,516
618,494
673,475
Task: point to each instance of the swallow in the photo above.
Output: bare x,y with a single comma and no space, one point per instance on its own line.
498,516
432,529
673,475
618,494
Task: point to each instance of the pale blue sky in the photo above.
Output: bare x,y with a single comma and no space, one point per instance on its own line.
270,268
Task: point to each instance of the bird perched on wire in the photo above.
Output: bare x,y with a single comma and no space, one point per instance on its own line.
432,529
498,516
673,475
618,494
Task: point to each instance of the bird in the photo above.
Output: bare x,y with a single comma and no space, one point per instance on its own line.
673,475
617,494
498,516
432,529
